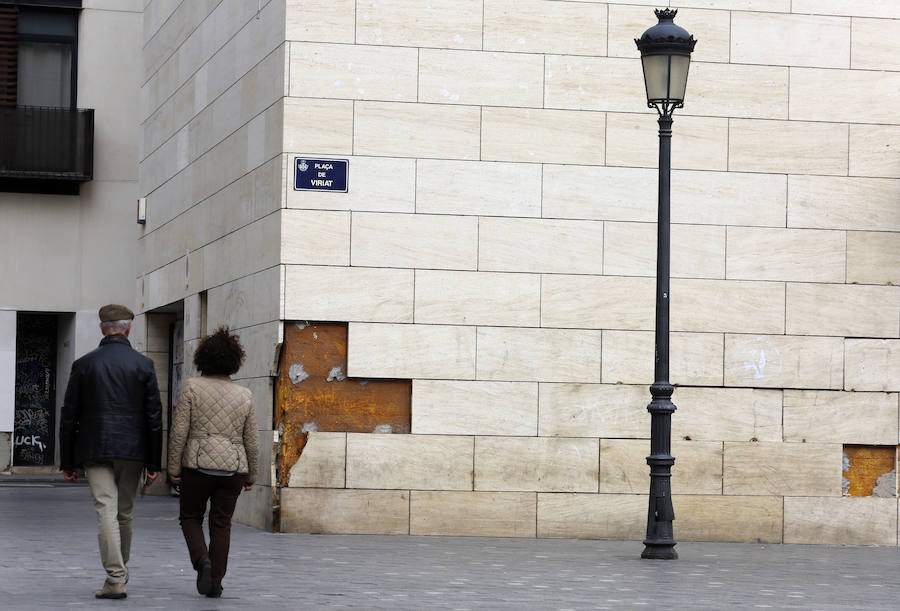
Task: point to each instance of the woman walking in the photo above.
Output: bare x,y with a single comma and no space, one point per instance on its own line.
213,454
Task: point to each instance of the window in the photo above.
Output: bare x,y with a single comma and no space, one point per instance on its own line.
38,54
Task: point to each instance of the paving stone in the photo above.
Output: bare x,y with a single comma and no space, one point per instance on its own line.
49,560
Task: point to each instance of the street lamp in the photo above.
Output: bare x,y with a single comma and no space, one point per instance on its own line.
666,56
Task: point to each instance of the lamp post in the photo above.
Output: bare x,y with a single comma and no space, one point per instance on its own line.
666,56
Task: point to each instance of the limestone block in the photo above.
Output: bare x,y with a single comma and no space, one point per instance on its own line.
411,351
857,8
728,198
477,298
599,192
735,90
592,516
542,136
874,44
451,24
321,465
784,361
843,309
328,511
478,188
594,410
874,151
627,22
840,521
873,257
777,6
727,305
540,26
254,508
603,302
481,77
699,143
695,358
844,96
730,414
697,469
543,464
422,462
698,251
333,137
540,245
349,72
594,83
316,237
465,514
415,240
348,293
792,40
751,519
872,364
794,147
844,203
260,343
247,301
377,184
474,408
800,255
782,469
539,355
416,130
840,417
321,20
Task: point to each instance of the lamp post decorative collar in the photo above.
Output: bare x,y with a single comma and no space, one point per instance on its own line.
665,56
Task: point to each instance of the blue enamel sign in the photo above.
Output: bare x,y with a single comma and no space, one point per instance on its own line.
320,174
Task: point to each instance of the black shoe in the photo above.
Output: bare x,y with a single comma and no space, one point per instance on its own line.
214,592
204,576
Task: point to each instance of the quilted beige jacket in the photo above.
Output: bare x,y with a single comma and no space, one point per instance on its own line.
214,427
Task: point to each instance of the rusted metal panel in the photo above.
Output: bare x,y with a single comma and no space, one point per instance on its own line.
314,394
870,470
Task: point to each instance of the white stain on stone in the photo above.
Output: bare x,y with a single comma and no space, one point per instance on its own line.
301,325
458,38
886,485
336,373
845,467
383,428
309,427
297,374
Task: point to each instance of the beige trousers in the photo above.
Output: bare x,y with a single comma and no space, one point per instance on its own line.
114,485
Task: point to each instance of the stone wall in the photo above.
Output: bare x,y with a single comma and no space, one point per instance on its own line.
497,246
213,83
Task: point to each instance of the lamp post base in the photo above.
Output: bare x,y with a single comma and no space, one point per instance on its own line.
659,550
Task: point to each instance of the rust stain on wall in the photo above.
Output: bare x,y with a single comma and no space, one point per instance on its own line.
313,392
870,471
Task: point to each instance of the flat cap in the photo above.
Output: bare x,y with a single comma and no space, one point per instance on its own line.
113,311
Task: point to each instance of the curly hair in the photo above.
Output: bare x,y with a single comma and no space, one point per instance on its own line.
219,353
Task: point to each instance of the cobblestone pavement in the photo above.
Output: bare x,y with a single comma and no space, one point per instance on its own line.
49,560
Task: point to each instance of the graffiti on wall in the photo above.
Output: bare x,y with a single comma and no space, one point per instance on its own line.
34,435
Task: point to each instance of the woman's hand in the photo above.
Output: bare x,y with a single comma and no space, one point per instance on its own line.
248,486
175,480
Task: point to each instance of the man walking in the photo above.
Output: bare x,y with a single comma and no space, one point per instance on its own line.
111,425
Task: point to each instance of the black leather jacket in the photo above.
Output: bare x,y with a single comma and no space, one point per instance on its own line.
112,408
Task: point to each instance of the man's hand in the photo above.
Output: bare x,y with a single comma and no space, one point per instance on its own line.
248,486
151,475
71,475
175,480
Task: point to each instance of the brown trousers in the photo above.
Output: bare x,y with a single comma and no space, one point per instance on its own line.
222,493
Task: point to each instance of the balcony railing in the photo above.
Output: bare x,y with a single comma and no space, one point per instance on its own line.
46,144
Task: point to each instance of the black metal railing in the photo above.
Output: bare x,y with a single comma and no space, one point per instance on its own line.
52,144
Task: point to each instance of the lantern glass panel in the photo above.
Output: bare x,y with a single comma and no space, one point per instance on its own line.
656,76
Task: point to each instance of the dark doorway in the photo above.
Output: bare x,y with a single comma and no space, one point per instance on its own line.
35,413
